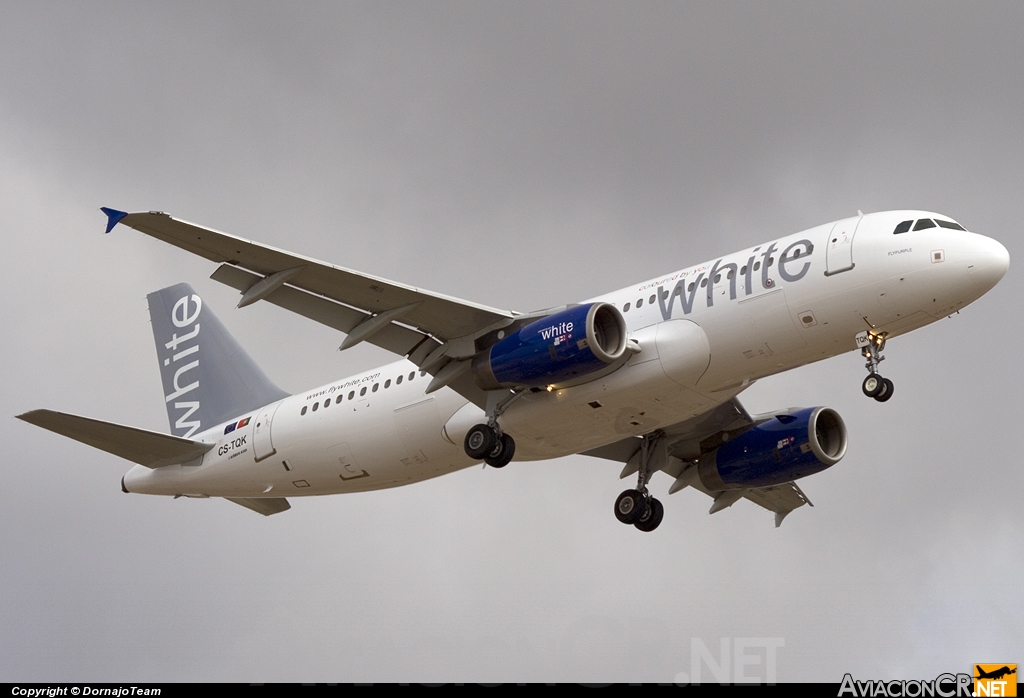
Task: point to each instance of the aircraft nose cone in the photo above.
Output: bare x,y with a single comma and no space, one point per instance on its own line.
990,262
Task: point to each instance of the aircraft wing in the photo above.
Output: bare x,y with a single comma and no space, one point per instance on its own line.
438,333
269,269
684,439
685,442
149,448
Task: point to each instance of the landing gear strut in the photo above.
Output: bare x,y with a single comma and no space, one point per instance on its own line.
488,442
871,347
637,506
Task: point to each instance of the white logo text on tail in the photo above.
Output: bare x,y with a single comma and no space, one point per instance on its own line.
182,316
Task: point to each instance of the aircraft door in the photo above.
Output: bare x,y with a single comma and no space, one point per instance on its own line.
263,445
839,250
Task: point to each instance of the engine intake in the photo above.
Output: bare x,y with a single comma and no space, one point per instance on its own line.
558,348
789,446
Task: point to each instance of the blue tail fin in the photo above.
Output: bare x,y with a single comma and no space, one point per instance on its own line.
208,378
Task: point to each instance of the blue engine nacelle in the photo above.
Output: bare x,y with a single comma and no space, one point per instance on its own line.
788,446
561,347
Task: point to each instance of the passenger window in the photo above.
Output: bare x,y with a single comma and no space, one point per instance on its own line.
743,270
690,287
718,277
625,308
398,381
375,386
639,302
387,384
327,403
903,227
757,265
924,224
337,400
363,391
315,405
422,373
411,375
304,408
351,394
651,300
950,224
703,283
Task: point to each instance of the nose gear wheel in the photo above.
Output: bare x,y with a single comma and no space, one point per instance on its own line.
871,346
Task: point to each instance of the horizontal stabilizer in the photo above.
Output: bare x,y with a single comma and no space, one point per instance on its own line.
149,448
262,505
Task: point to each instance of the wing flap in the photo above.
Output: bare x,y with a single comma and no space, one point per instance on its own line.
149,448
262,505
779,499
436,314
394,338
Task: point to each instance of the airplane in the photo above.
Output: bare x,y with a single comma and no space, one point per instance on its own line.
995,674
647,375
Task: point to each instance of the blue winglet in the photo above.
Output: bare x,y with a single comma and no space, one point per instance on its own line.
113,217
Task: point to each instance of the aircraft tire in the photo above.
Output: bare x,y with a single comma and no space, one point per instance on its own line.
630,506
502,453
655,513
873,385
480,441
886,393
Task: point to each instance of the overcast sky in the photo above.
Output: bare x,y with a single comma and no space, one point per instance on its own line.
521,155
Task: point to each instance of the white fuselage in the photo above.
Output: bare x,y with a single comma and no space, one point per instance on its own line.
705,333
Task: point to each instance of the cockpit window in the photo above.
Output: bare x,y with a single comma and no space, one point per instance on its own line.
903,227
950,224
924,223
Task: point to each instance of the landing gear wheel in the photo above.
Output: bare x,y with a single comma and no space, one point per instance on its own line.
630,506
480,441
873,385
654,514
501,454
886,392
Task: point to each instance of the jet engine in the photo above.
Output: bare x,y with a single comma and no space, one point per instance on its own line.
560,347
788,446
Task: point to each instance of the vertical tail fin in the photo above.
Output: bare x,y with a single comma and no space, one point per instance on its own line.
208,378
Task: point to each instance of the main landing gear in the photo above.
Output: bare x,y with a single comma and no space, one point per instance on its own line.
871,347
637,506
488,442
484,442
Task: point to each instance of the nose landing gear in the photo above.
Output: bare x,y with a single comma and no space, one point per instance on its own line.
871,346
637,506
